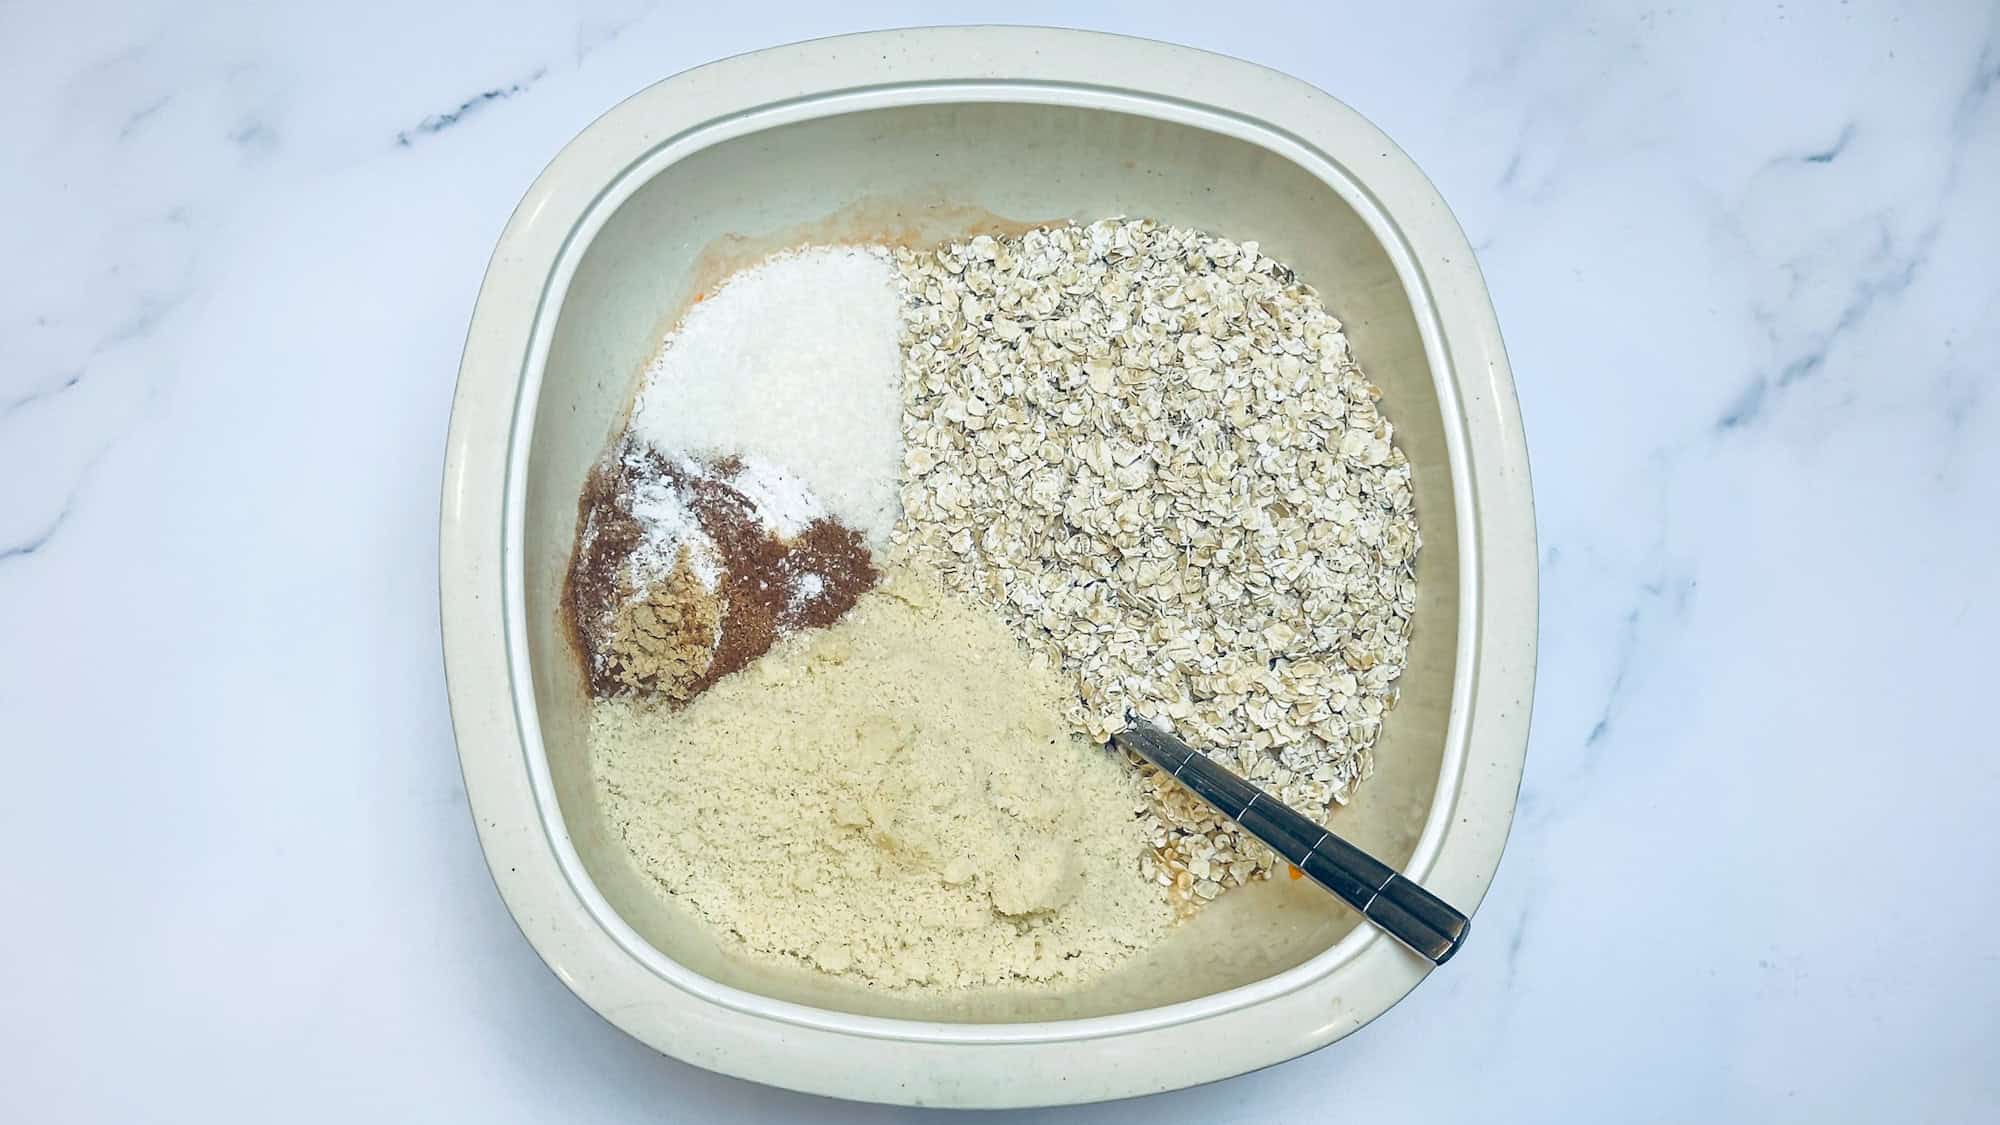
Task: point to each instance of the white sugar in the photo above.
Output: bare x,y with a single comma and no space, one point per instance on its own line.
794,362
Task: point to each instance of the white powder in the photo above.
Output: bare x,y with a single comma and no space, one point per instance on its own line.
781,499
796,361
668,526
809,588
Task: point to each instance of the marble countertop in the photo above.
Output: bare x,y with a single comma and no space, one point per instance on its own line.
1744,257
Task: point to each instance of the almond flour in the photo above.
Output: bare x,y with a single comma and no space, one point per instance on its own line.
895,799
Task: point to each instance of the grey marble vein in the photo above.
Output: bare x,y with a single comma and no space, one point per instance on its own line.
1832,152
29,398
140,116
1887,273
37,541
439,122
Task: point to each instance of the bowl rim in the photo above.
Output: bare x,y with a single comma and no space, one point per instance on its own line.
525,840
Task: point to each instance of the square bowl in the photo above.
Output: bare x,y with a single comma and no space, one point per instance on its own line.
913,137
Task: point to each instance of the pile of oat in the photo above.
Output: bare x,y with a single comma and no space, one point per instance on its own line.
1151,450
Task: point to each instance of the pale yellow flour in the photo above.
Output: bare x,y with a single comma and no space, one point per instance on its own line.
895,798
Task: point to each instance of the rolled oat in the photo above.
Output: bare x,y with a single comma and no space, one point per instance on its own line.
1152,451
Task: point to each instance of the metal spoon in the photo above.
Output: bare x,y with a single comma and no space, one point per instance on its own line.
1402,909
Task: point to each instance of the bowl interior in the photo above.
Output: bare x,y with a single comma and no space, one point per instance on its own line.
916,175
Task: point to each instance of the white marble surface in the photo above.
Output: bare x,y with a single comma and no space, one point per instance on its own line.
1745,262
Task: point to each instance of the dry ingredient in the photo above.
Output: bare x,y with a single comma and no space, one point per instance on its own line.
1142,450
1153,452
685,570
796,361
896,798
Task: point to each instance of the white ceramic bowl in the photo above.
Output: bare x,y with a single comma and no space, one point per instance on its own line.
915,136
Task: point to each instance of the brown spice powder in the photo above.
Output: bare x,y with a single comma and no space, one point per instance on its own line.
596,584
675,638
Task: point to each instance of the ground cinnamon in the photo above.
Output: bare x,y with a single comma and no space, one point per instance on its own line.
672,637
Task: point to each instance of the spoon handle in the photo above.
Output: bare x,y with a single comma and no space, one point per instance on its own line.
1402,909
